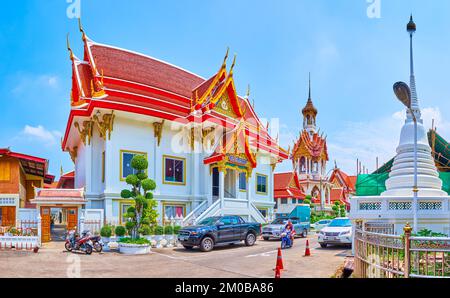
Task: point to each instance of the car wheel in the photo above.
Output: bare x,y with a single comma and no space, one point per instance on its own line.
188,247
266,238
323,245
207,244
250,239
304,233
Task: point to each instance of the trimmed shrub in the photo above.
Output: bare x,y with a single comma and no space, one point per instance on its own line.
168,230
106,231
159,230
120,231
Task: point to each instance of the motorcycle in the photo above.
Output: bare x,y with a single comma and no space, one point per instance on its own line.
286,239
97,243
76,243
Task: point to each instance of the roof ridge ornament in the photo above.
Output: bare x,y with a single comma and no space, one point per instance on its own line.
80,27
233,65
69,48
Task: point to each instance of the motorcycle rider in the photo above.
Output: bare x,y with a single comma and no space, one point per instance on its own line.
291,228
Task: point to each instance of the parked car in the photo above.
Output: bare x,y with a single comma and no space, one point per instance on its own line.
318,226
219,230
275,229
339,232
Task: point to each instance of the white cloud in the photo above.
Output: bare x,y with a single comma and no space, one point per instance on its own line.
39,133
30,82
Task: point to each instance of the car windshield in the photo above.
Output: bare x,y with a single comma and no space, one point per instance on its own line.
209,221
280,221
341,222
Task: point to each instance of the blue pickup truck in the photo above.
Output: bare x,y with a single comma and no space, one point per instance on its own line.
219,230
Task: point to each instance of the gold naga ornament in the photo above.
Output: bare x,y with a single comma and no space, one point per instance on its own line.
105,126
86,131
158,128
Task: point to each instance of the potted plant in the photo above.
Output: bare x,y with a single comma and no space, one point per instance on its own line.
143,212
168,232
106,232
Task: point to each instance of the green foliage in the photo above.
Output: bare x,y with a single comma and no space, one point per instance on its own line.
307,201
132,180
143,214
140,163
142,176
176,229
168,230
308,197
146,230
126,194
134,241
159,230
106,231
120,231
429,233
148,184
315,217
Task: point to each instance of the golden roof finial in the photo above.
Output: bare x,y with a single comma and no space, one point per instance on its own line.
248,91
69,48
226,57
232,65
80,26
61,170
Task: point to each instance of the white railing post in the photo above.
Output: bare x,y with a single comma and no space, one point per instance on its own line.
39,229
81,228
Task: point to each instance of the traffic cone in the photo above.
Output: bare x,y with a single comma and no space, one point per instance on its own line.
279,264
277,272
307,251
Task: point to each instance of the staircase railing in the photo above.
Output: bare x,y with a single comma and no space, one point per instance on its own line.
207,211
190,218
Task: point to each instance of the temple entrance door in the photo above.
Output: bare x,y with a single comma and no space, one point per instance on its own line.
45,224
72,218
215,183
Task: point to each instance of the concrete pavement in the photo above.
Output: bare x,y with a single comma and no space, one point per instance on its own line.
231,261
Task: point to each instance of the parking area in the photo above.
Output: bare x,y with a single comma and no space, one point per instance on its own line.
231,261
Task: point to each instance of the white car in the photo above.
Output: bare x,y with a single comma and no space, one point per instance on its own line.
318,226
338,232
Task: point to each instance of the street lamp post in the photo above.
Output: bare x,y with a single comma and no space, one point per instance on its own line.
403,93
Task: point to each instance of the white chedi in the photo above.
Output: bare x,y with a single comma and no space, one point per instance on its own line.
401,177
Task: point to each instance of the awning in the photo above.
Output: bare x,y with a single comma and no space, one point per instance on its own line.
59,197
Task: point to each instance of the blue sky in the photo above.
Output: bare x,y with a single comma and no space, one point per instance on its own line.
354,60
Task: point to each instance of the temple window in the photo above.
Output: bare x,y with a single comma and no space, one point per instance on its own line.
263,212
174,211
124,211
261,184
174,170
283,201
242,182
302,165
125,163
294,201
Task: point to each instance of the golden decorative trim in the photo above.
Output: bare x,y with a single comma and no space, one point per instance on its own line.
88,126
158,127
106,125
73,153
208,132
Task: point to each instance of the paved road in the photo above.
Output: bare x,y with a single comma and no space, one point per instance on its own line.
234,261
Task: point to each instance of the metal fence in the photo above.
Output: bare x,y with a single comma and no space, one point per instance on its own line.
379,255
94,226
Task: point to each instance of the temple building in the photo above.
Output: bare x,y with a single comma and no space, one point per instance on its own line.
208,152
425,204
310,177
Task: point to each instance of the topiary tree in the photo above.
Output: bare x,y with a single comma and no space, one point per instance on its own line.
143,214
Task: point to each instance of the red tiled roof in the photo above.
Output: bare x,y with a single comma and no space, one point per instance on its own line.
60,196
31,164
122,64
286,185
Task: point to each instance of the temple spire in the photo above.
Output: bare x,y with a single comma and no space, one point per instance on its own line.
309,93
411,29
